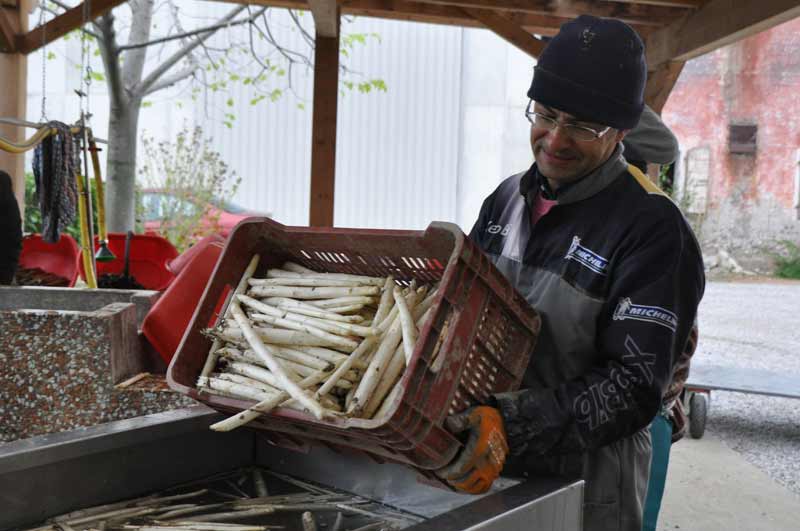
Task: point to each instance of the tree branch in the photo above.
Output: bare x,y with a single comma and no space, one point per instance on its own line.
144,86
187,34
171,80
108,53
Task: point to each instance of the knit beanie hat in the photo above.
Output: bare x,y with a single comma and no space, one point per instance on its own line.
594,69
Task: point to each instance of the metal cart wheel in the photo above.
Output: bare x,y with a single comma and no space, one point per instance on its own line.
698,411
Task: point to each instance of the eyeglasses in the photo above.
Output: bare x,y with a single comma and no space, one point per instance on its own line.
574,131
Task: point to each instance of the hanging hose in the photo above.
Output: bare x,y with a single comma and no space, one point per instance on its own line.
104,254
86,242
14,147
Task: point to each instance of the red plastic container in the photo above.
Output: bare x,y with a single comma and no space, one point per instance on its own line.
61,258
166,322
481,334
148,261
176,265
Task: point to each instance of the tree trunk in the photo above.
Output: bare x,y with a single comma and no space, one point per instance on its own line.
121,168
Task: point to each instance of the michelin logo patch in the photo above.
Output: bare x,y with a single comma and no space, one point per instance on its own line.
586,257
650,314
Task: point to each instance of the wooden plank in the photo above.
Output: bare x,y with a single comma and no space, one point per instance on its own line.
326,17
718,23
506,29
648,15
691,4
323,145
448,15
63,24
9,29
660,84
13,99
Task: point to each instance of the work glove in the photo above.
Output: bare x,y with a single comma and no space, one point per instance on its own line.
480,461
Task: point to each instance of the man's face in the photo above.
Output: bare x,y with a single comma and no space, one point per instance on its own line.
563,159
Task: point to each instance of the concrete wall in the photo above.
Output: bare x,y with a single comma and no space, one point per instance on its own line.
61,357
750,200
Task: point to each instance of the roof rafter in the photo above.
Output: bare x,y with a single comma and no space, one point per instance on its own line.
326,17
631,13
507,29
9,29
64,23
716,24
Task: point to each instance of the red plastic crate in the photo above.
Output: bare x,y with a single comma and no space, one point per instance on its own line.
61,258
149,256
480,337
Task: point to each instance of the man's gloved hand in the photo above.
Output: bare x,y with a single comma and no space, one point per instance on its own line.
480,462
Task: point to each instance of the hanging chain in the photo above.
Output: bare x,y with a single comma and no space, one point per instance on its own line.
43,117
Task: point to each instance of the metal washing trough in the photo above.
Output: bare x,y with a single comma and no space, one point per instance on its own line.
50,475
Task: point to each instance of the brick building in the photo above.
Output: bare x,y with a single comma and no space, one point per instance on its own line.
736,112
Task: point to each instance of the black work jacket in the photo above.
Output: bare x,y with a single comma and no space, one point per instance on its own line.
617,275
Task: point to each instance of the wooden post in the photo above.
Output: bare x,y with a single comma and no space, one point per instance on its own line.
13,97
323,154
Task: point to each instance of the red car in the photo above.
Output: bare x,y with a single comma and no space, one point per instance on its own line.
217,216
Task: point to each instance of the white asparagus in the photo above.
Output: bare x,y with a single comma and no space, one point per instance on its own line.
287,384
407,327
263,375
244,380
335,327
331,302
300,358
342,329
364,279
211,360
358,354
376,369
392,374
306,282
350,308
312,293
320,313
277,336
294,267
237,389
387,402
265,406
285,301
308,328
385,304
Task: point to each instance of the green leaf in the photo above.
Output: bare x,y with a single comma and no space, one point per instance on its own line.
364,87
230,117
247,80
228,125
257,99
147,104
50,56
275,94
301,106
234,77
229,102
97,76
281,72
379,84
349,85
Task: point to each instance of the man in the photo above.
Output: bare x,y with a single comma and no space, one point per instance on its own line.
10,230
610,264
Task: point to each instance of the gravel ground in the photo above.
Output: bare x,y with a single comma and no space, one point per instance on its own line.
755,324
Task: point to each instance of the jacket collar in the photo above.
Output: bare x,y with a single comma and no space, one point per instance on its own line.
588,185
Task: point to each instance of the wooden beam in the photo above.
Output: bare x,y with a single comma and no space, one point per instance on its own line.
64,23
440,14
718,23
660,84
506,29
690,4
323,145
9,29
326,17
647,15
13,97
